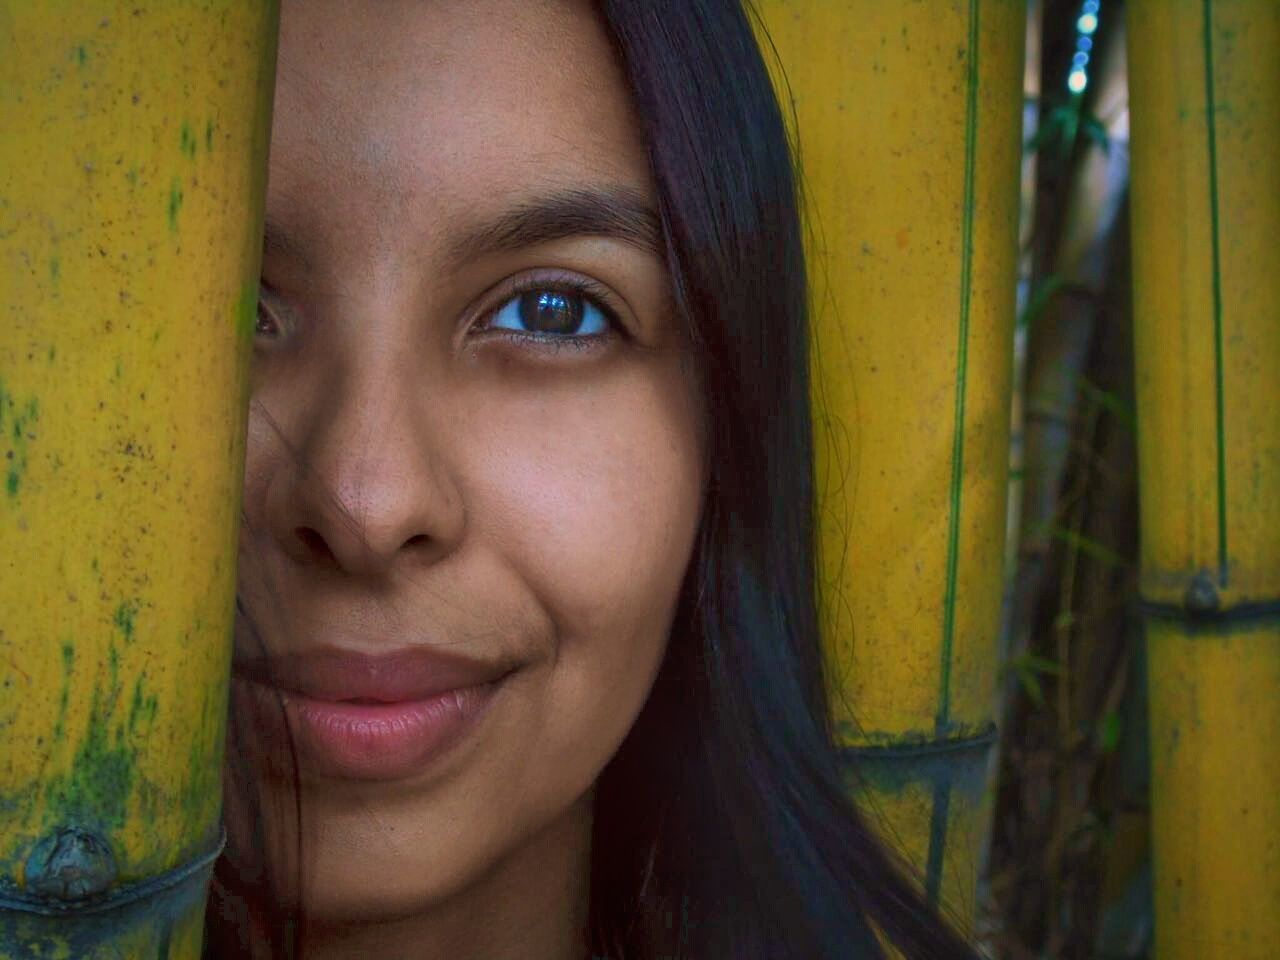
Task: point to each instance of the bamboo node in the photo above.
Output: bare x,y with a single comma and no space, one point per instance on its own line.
71,864
1202,595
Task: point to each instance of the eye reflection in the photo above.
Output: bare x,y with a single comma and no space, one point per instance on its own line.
266,324
553,313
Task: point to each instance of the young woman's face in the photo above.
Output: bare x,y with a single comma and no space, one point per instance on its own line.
474,442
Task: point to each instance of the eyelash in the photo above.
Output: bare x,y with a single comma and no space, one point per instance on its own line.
591,291
594,293
264,311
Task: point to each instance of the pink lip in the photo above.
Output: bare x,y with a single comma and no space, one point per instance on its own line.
374,717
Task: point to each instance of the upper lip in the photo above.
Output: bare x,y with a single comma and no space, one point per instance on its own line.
402,675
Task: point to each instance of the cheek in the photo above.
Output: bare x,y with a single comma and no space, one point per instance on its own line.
263,458
596,505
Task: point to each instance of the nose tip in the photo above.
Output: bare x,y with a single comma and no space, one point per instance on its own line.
364,505
355,547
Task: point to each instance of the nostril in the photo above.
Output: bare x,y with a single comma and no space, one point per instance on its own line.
314,543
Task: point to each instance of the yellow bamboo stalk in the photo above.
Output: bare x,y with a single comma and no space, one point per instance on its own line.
908,118
132,165
1205,96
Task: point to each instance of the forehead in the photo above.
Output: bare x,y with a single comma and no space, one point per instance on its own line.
392,116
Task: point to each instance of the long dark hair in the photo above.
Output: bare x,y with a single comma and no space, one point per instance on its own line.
723,827
724,822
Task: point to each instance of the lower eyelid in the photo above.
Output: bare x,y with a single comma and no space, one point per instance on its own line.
552,344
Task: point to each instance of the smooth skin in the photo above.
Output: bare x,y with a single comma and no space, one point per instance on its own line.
421,470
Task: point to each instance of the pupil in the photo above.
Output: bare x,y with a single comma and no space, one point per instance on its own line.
265,325
548,311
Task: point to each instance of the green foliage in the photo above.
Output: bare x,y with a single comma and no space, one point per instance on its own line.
1079,543
1041,296
1063,128
1109,401
1109,729
1028,668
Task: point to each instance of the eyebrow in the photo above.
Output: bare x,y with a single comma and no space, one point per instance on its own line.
612,211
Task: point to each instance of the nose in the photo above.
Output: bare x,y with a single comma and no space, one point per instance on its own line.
364,487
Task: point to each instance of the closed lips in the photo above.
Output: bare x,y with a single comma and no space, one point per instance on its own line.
355,716
350,676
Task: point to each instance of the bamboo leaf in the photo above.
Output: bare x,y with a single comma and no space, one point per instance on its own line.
1089,547
1095,132
1027,669
1037,665
1109,401
1040,298
1030,685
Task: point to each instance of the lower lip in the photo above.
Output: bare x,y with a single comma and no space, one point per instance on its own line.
378,741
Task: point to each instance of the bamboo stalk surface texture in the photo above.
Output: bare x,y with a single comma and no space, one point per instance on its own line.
1205,106
132,166
908,118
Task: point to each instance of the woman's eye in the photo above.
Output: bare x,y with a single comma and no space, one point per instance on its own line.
551,313
266,326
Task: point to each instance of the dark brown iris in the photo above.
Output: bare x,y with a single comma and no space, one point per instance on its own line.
550,311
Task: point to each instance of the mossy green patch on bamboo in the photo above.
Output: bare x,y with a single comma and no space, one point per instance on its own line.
124,618
94,792
187,140
68,661
175,203
143,707
198,799
21,423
